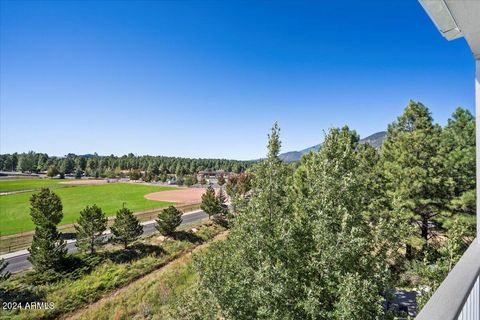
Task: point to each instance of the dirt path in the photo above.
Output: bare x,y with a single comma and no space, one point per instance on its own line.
182,259
182,195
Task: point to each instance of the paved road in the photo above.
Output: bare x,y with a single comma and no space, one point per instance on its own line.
18,261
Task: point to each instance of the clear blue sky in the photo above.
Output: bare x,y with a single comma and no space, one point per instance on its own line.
208,79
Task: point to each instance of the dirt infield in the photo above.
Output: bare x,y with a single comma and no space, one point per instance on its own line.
85,182
182,195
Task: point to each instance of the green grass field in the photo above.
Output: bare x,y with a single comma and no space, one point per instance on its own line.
29,184
15,212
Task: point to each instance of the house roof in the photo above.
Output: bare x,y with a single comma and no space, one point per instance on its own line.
455,19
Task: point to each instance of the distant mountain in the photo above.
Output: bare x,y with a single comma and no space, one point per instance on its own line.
376,140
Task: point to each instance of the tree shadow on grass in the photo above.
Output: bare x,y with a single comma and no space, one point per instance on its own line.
21,294
221,220
134,252
187,236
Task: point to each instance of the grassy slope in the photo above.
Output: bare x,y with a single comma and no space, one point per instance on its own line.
29,184
15,213
149,298
70,295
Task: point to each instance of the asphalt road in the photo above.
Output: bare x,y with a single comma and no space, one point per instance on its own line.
19,262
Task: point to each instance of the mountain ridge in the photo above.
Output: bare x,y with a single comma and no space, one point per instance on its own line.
376,140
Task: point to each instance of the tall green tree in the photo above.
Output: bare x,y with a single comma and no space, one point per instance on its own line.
300,242
222,202
415,180
126,227
168,220
332,196
78,174
458,152
237,188
89,228
221,180
68,165
254,249
48,249
27,162
210,202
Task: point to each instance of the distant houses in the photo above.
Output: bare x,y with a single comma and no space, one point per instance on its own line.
211,176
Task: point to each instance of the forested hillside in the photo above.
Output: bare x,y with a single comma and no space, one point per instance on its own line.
110,166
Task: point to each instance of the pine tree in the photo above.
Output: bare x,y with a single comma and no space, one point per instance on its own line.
168,220
126,227
90,226
221,180
210,203
46,207
416,184
458,152
48,249
221,200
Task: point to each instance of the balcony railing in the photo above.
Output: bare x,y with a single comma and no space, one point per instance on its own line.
458,297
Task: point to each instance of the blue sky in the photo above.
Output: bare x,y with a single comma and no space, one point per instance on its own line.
208,79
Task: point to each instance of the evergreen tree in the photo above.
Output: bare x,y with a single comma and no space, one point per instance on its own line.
210,203
82,163
90,226
302,243
416,184
221,180
458,152
48,249
254,249
135,174
168,220
68,165
126,227
221,200
78,174
26,162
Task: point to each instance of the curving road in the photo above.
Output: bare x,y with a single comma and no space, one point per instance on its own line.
17,261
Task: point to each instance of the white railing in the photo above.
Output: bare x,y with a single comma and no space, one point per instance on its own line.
458,297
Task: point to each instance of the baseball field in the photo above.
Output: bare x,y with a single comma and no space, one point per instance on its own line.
15,212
